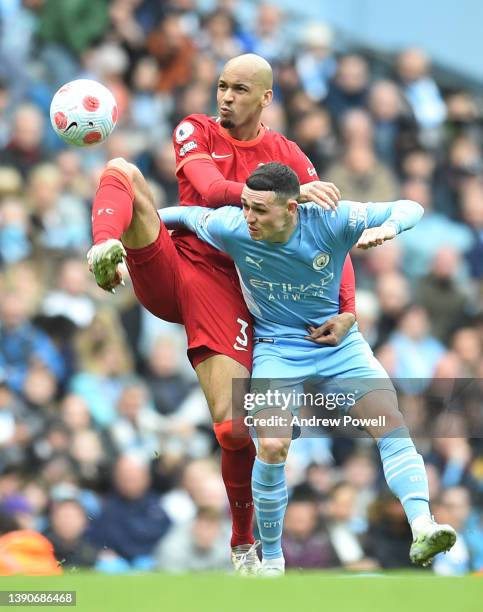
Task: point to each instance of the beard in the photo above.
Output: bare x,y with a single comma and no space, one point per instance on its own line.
228,124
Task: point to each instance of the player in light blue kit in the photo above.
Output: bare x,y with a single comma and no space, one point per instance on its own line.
289,258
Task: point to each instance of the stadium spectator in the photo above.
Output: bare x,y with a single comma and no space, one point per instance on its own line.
132,520
163,164
19,426
392,292
136,427
270,39
21,343
422,93
304,543
25,148
103,364
71,299
359,473
441,295
341,528
219,38
462,164
14,231
58,223
19,509
196,546
356,128
388,535
467,346
349,87
199,486
417,352
315,136
149,110
173,50
472,215
92,452
361,177
67,526
454,507
435,231
315,62
394,129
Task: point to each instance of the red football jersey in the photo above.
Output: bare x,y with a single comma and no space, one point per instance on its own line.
202,137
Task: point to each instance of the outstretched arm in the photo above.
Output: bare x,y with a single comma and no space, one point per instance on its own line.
372,223
212,226
404,216
181,217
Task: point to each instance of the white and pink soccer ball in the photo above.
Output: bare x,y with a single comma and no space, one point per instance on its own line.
83,112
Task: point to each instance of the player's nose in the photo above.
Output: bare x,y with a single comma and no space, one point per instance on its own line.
250,216
228,97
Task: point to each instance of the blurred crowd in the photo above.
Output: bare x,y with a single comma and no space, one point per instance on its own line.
106,444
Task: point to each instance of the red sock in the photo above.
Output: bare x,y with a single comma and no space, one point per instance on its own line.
236,470
112,206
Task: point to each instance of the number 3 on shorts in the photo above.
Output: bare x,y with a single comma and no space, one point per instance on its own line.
241,341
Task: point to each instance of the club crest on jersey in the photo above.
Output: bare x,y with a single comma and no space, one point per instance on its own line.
320,261
184,131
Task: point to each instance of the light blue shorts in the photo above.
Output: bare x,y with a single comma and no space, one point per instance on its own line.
286,364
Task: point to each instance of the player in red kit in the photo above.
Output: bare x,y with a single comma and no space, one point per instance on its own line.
181,279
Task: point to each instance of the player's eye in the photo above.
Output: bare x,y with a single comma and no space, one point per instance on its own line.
221,86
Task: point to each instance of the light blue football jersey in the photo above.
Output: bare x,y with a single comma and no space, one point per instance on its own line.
291,285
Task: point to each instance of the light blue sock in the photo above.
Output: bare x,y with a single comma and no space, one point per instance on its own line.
405,473
270,501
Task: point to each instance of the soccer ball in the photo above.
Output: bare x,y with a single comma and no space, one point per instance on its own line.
83,112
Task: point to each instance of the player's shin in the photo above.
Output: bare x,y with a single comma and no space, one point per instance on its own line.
112,208
237,456
405,474
270,498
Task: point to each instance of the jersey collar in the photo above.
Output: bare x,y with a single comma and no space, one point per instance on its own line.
243,143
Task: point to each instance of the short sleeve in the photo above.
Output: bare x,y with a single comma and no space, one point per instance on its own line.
190,141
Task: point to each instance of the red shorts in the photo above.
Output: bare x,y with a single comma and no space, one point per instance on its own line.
208,302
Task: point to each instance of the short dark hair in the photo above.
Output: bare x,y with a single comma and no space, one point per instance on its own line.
275,177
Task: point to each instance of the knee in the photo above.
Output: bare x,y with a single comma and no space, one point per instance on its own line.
273,450
124,166
137,182
232,435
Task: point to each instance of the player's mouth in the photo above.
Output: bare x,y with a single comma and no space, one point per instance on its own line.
253,230
224,111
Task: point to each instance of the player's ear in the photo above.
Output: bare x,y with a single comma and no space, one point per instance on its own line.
292,205
267,98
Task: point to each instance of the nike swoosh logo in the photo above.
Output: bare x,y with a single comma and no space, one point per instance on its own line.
215,156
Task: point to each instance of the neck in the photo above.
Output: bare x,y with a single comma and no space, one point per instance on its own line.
248,131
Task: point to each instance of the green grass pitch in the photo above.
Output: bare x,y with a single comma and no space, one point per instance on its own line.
296,592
